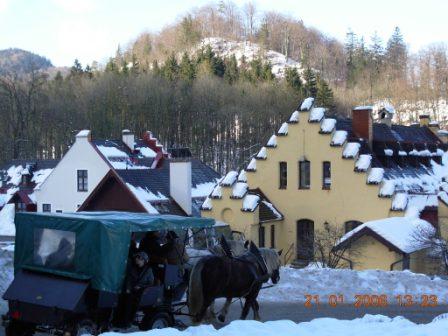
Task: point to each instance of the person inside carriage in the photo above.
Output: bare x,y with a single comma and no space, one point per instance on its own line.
139,276
158,251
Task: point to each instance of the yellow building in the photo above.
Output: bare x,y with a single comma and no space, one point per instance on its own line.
318,172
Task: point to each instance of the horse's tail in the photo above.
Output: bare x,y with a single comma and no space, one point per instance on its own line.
195,293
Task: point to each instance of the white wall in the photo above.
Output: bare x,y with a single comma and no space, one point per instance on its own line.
180,184
60,189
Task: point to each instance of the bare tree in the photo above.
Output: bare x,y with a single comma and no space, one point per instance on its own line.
250,12
434,243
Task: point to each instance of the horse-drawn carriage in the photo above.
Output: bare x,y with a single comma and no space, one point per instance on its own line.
69,271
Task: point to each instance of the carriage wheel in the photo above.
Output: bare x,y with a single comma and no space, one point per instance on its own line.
158,320
85,327
16,328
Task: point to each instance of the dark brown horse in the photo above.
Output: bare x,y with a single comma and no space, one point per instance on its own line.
222,277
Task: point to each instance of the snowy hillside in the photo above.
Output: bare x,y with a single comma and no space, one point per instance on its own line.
250,51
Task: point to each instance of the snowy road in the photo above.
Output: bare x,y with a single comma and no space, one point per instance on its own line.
297,312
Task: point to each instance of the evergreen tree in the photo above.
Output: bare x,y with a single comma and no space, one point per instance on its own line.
76,68
397,53
351,45
155,68
187,69
292,78
231,73
256,69
135,65
324,96
267,72
111,66
189,34
88,71
310,83
170,69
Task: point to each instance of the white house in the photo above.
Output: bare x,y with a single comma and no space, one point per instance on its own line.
75,176
127,174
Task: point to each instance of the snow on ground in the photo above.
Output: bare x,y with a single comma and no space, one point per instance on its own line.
296,283
6,272
369,325
7,227
251,51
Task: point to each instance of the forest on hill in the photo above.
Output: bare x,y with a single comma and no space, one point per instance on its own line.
20,61
221,107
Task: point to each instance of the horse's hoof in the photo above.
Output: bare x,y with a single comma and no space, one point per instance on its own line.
221,318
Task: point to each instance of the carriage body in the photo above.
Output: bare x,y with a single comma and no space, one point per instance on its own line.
69,270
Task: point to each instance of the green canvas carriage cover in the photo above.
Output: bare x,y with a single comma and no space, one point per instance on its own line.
101,241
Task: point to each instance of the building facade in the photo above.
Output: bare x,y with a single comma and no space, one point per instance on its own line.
318,171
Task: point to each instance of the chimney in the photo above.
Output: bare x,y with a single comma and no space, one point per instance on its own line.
362,123
84,135
424,120
128,138
180,183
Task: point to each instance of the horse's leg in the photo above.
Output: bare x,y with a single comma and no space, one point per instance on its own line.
256,308
246,307
203,311
225,309
212,310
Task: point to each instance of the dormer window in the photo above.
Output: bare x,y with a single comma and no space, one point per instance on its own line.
26,179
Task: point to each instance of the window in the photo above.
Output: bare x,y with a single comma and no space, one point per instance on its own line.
351,225
20,207
25,179
283,166
304,175
272,236
46,207
58,211
261,236
82,180
54,248
326,175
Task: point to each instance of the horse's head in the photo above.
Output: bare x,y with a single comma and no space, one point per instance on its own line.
273,263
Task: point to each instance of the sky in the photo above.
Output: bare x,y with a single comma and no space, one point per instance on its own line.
89,30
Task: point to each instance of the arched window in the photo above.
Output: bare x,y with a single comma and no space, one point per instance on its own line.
351,225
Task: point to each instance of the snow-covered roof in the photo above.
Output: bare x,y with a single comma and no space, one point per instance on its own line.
317,114
362,108
339,138
217,192
400,232
242,176
387,188
252,166
307,104
388,152
207,205
328,125
229,179
239,189
271,207
262,154
202,189
400,201
83,134
375,175
145,197
363,162
146,152
250,202
272,142
294,117
283,130
40,176
351,150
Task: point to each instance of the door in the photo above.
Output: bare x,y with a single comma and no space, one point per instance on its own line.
305,239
